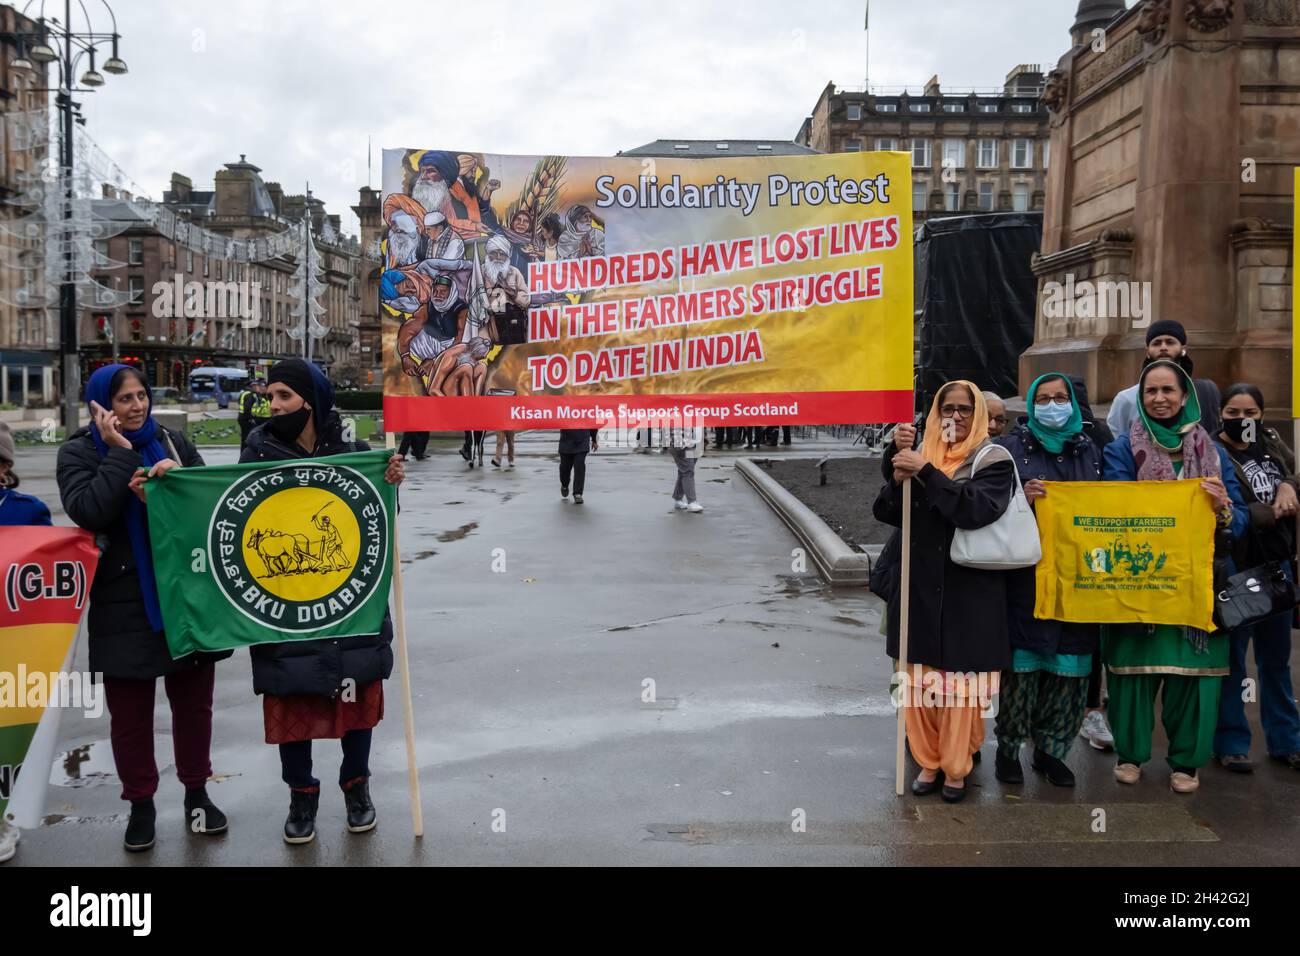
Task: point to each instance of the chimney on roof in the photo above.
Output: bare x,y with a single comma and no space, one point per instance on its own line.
277,197
181,188
932,87
1024,80
109,191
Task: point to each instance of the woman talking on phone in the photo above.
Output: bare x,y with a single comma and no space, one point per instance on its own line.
101,473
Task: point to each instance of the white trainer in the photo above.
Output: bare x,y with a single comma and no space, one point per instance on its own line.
679,504
8,842
695,507
1096,731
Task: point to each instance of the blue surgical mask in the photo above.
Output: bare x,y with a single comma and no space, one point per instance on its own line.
1053,415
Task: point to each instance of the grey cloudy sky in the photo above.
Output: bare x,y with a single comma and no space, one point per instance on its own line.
298,85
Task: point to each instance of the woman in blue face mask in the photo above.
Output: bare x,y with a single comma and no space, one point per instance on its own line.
1265,469
1045,691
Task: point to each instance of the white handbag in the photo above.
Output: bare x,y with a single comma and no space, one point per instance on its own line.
1008,543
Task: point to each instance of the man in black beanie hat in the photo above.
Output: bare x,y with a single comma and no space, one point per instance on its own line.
1166,339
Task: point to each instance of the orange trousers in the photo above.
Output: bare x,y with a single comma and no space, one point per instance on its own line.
944,737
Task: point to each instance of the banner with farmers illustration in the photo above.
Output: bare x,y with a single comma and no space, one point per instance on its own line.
1123,552
549,291
274,552
45,574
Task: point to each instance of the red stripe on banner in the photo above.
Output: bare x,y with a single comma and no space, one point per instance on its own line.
408,413
45,574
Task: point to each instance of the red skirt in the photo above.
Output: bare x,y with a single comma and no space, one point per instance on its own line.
309,717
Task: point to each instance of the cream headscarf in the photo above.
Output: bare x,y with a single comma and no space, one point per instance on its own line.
949,456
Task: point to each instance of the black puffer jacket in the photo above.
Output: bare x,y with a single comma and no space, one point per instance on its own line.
316,667
94,492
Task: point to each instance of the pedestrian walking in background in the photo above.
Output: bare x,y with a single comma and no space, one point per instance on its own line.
416,443
1184,666
575,443
101,472
684,445
506,438
302,682
958,617
1044,693
1265,469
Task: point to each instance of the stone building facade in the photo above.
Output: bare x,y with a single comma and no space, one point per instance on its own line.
1174,142
28,336
159,334
971,152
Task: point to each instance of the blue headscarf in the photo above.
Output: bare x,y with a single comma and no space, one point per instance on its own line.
146,441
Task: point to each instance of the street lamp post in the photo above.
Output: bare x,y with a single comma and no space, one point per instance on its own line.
66,46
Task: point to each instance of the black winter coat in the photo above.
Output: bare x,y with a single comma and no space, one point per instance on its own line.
958,615
320,666
576,441
94,492
1079,460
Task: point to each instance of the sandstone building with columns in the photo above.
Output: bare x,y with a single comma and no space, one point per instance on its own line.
1175,128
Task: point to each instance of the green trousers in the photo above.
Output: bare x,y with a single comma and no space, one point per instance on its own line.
1040,706
1189,710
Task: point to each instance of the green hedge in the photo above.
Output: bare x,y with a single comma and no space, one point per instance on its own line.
359,400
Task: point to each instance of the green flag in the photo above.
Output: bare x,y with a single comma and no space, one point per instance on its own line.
284,551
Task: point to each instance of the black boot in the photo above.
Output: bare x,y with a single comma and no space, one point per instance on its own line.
139,829
201,814
361,812
1058,774
300,827
1008,769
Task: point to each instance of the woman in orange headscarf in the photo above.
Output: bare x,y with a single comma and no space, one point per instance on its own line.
957,636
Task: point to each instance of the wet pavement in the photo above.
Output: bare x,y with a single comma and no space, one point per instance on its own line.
534,626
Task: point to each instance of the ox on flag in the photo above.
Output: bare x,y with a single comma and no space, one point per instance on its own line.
257,553
1124,552
46,574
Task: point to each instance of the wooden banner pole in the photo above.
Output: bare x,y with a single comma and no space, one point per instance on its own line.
904,603
404,664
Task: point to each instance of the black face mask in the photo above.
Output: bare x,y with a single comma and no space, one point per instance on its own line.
289,426
1235,429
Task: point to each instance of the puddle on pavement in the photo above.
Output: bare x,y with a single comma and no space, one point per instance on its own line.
796,584
419,556
58,819
90,765
507,496
458,533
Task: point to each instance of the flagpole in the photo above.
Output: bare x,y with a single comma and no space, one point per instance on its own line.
866,41
904,603
404,661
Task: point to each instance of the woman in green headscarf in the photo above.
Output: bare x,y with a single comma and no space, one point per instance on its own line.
1184,665
1044,693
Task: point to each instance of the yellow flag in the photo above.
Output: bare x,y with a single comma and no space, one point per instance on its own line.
1126,552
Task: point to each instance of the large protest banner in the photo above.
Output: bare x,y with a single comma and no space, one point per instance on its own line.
46,574
1124,552
549,291
274,552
